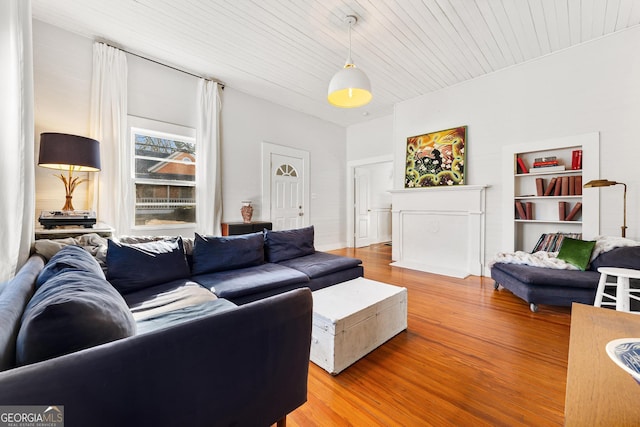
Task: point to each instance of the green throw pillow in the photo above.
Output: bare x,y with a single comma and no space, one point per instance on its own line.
576,252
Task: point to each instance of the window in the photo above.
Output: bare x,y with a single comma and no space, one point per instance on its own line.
287,170
164,175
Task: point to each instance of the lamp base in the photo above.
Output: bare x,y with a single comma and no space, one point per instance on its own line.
68,205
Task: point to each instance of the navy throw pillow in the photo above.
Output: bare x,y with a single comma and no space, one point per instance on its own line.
71,311
211,254
287,244
623,257
131,267
70,258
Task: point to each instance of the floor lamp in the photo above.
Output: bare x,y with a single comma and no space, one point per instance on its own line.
607,183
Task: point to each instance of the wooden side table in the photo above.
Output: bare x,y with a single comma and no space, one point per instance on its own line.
100,229
599,393
235,228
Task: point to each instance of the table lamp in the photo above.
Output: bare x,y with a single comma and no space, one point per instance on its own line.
69,153
607,183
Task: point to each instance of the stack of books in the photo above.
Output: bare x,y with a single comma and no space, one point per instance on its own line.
547,164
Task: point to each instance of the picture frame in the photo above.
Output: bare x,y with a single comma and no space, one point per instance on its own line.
436,158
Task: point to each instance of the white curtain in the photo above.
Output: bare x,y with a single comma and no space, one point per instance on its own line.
208,185
17,175
108,125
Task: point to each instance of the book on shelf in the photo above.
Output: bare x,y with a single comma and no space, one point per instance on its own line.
576,159
562,211
574,212
558,189
545,159
572,185
528,208
539,187
545,164
565,186
522,168
548,169
578,187
551,186
521,210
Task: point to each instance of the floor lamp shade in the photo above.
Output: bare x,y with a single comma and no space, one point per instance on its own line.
69,153
349,88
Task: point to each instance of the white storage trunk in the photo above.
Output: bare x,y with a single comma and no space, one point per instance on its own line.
351,319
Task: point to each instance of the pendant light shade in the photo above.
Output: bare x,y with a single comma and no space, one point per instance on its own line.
349,87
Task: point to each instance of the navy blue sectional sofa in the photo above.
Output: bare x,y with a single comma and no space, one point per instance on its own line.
214,334
538,285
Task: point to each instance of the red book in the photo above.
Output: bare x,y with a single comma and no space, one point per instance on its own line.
529,210
539,187
548,163
550,187
562,210
520,208
576,159
523,168
574,212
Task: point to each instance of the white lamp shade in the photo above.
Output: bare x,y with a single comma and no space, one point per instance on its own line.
349,88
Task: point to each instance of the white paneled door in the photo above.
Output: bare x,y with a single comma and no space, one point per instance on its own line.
362,207
285,186
287,192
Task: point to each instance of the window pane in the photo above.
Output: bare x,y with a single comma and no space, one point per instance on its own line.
164,204
163,158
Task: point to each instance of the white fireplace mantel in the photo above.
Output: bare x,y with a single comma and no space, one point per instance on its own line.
439,229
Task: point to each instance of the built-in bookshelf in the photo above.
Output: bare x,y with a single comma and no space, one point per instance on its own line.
550,198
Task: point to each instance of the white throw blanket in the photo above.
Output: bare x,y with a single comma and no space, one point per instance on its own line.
551,260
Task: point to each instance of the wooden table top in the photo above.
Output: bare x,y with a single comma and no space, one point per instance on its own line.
599,393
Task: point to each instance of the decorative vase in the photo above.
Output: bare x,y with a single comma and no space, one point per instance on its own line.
246,210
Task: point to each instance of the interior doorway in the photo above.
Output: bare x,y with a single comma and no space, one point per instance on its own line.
369,201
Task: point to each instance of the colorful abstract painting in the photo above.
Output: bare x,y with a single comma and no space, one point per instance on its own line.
436,158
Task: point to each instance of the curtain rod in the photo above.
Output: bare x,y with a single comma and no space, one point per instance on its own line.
222,85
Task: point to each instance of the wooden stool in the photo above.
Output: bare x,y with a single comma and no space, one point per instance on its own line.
623,294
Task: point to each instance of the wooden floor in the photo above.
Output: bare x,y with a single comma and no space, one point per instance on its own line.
471,356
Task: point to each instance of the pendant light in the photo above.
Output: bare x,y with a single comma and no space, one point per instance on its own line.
349,87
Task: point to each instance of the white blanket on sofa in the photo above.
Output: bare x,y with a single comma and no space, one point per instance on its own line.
551,260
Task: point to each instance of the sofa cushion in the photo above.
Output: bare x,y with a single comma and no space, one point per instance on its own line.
538,276
15,296
70,258
624,257
320,264
212,254
135,266
576,252
287,244
69,312
233,284
185,314
166,297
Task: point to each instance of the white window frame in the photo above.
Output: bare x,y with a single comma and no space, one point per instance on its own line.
161,129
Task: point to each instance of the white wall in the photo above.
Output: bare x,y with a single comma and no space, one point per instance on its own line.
62,74
247,122
370,139
589,88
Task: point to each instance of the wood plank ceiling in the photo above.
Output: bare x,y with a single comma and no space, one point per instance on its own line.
286,51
